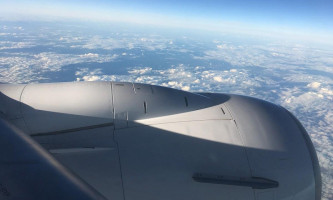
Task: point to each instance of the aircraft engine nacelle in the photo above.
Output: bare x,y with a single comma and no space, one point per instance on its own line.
138,141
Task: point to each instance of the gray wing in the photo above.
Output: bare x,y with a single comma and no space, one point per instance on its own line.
27,171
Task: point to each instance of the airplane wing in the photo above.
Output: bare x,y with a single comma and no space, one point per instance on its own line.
27,171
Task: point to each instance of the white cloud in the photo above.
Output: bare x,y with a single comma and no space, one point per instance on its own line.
307,78
220,46
314,85
21,68
186,88
4,45
306,99
91,78
173,83
140,70
326,91
89,55
273,56
218,79
150,43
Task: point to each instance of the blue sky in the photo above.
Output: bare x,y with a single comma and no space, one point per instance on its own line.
285,11
305,16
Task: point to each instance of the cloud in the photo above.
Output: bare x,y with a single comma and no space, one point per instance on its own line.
326,91
178,85
91,78
273,56
184,77
140,70
122,41
89,55
5,45
186,88
314,85
22,68
218,79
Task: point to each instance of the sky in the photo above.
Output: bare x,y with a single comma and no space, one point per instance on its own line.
308,18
